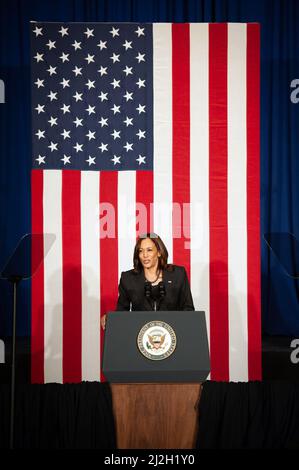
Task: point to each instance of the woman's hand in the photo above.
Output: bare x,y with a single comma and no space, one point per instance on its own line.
103,321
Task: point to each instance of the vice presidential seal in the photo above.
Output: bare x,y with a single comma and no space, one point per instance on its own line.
156,340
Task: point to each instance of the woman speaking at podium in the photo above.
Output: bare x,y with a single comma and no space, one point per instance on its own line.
153,284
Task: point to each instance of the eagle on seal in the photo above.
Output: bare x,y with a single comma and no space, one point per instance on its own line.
156,340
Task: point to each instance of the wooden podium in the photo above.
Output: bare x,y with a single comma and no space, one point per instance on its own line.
155,402
156,415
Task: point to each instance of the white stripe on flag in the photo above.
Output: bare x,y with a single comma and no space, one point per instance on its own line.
237,208
199,166
162,85
53,298
126,195
90,255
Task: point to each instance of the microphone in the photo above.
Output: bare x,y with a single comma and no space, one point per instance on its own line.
161,293
162,290
148,293
159,296
147,289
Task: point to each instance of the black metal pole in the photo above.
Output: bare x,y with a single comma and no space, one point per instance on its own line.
13,366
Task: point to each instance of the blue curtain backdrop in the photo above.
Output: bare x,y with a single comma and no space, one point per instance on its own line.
279,21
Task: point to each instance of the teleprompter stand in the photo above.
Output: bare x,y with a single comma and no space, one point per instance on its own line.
22,264
285,247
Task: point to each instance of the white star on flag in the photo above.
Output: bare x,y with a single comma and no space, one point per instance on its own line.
89,58
64,57
90,110
51,44
40,134
103,96
140,83
141,134
65,83
53,146
52,70
78,147
115,83
103,70
128,96
40,159
76,45
66,134
115,159
90,135
53,121
114,31
140,159
91,160
102,45
52,95
128,146
77,70
127,45
38,31
39,83
128,70
103,122
40,108
115,134
66,108
66,159
63,31
140,31
141,108
90,84
39,57
78,122
128,121
115,109
78,96
115,57
89,32
103,147
140,57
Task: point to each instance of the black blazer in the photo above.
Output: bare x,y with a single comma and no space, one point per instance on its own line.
177,291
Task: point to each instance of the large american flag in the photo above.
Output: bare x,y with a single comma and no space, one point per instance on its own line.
135,128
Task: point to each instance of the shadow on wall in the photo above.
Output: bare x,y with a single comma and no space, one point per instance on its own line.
65,338
229,325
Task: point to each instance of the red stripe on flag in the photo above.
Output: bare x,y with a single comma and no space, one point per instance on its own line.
37,283
72,295
219,333
253,203
144,197
181,144
108,244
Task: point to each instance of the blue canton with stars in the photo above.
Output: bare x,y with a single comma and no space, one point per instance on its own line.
92,96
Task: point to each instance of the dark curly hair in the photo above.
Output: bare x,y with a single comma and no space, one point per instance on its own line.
162,260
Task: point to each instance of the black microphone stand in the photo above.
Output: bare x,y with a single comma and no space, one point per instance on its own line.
15,281
161,293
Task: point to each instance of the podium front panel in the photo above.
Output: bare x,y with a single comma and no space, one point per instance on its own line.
124,363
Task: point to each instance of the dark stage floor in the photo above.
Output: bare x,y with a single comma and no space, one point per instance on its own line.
276,360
